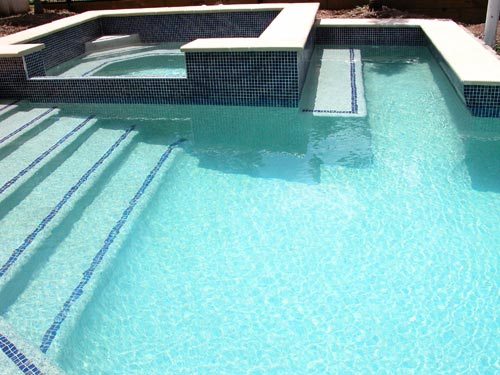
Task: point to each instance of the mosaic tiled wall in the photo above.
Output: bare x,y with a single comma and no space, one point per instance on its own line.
384,36
304,58
67,44
99,90
188,27
272,78
244,78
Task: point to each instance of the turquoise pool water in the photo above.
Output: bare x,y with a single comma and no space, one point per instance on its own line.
142,60
270,241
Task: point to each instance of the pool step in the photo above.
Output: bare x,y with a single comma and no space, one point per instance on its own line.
112,41
78,238
22,356
336,87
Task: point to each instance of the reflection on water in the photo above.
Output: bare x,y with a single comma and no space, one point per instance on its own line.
278,143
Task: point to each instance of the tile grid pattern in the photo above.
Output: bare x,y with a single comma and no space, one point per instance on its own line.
354,91
47,219
16,356
386,36
187,27
67,44
51,333
29,123
46,153
35,66
263,78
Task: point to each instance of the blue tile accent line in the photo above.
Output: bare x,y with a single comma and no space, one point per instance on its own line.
51,333
354,91
31,122
31,237
46,153
23,363
9,105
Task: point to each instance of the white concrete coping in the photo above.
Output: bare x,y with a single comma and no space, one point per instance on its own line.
471,60
66,23
288,31
18,50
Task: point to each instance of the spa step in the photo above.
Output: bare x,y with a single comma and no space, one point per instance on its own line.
111,41
336,87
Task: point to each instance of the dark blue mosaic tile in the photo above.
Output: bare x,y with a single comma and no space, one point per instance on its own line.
11,69
51,333
304,58
67,44
351,36
482,96
42,156
244,78
34,64
187,27
47,219
16,356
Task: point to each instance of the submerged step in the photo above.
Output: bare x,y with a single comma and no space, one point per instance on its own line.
334,83
111,41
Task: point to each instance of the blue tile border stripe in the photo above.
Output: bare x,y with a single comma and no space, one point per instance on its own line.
31,237
31,122
15,355
14,179
51,333
9,105
354,91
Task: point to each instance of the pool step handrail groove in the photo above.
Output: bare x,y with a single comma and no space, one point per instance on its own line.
51,332
47,219
46,153
24,126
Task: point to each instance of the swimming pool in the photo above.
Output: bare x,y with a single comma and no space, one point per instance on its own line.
139,60
205,239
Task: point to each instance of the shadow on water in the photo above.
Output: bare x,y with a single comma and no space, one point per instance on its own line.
480,138
23,190
277,143
26,136
20,280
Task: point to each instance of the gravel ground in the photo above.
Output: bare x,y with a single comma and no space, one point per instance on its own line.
13,24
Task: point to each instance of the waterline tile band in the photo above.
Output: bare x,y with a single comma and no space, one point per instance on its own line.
9,105
26,125
31,237
51,333
23,363
13,180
